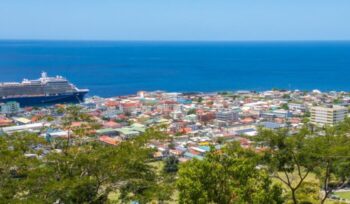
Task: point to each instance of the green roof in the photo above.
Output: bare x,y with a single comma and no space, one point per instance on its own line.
138,129
138,125
105,131
127,131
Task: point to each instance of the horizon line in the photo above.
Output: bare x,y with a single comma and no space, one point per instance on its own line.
156,41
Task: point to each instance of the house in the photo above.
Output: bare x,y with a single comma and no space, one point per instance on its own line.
127,132
111,124
107,132
109,140
34,127
21,120
280,113
5,121
271,125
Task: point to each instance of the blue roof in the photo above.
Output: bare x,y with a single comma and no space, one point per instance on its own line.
205,148
180,148
184,101
245,131
190,155
272,125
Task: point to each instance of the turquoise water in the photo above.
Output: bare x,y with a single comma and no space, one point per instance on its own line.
117,68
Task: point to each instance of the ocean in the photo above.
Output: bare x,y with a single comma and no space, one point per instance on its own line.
120,68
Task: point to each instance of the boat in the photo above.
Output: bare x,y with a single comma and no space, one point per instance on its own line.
43,91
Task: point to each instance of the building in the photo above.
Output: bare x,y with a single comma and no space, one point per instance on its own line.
34,127
227,116
271,125
282,113
297,106
5,121
328,115
11,107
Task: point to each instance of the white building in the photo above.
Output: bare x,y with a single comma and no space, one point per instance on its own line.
328,115
34,127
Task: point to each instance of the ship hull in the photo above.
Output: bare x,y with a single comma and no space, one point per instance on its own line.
76,97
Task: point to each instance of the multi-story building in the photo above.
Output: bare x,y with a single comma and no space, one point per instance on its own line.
11,107
328,115
282,113
228,116
297,106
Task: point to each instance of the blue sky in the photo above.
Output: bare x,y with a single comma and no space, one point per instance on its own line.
222,20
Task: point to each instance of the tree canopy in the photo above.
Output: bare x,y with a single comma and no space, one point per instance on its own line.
227,176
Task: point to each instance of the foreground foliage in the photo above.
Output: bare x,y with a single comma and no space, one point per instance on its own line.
76,170
227,176
87,173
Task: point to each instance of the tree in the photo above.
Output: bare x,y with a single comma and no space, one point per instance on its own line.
171,164
89,173
286,96
285,106
15,166
192,111
332,153
226,176
83,173
287,157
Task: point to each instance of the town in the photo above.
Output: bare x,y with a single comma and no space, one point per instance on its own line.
195,121
300,134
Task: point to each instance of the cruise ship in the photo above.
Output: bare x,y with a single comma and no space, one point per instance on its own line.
43,91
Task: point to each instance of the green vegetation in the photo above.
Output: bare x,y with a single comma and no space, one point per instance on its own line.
33,171
285,106
307,167
286,155
192,111
227,176
292,159
344,195
85,173
286,96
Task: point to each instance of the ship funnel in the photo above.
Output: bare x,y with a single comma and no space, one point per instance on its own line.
43,75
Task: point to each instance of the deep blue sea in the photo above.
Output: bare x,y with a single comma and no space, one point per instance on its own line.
118,68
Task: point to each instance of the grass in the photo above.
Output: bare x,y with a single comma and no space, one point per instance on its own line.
308,192
158,165
345,195
113,197
311,178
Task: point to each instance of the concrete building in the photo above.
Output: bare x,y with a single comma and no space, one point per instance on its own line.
328,115
282,113
228,116
297,106
34,127
11,107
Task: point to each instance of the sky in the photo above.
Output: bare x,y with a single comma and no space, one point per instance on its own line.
175,20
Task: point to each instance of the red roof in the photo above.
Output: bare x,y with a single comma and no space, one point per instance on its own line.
5,121
295,120
247,120
112,103
169,102
121,116
76,124
130,104
111,124
108,140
